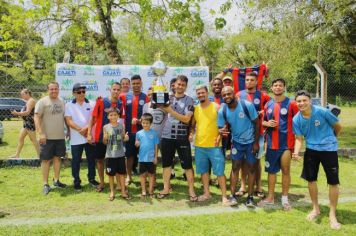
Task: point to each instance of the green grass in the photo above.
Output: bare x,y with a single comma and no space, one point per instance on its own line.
21,197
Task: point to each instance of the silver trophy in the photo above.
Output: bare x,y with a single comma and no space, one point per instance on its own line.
160,94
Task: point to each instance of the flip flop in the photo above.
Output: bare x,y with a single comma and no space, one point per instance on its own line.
126,197
240,193
312,216
162,195
260,194
335,225
193,198
264,203
203,198
111,198
99,189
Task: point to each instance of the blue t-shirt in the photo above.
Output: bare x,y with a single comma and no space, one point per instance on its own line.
242,128
317,130
148,140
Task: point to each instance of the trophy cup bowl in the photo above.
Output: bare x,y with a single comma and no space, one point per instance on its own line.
160,94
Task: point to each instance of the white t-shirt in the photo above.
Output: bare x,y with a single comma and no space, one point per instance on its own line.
80,115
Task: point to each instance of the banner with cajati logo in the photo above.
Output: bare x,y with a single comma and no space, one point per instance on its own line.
98,79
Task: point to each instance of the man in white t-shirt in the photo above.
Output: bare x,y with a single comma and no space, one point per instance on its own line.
77,115
49,121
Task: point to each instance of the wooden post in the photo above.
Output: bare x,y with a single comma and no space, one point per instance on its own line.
324,83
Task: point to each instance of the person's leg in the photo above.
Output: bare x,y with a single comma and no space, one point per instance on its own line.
122,185
272,179
285,166
272,167
112,189
333,198
90,156
77,151
258,177
151,183
45,164
32,135
313,192
205,181
236,165
185,156
143,178
168,149
130,162
100,166
251,177
190,179
56,167
23,133
244,174
222,185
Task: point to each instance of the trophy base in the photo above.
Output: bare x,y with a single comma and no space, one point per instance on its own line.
160,99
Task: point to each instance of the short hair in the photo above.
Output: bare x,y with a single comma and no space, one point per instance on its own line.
117,83
148,117
136,77
27,91
172,81
302,93
52,82
124,79
252,74
216,78
201,86
279,80
113,109
182,78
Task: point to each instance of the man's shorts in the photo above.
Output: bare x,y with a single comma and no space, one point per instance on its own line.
52,148
144,167
273,160
130,148
242,152
169,147
205,156
330,162
115,166
100,151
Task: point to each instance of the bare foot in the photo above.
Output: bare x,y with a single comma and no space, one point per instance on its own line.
313,215
334,224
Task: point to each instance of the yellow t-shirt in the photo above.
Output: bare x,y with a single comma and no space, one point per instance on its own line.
206,125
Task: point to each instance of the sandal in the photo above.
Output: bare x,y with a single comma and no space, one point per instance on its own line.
111,198
193,198
126,197
260,194
162,195
203,198
99,189
312,216
240,193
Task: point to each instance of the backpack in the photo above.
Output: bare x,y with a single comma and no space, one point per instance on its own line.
244,107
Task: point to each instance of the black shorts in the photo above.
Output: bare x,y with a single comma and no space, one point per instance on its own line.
52,148
130,147
115,166
168,150
330,162
146,167
100,151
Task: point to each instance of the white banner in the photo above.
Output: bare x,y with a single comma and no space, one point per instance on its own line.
98,79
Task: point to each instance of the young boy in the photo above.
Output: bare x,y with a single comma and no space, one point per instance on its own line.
114,136
147,140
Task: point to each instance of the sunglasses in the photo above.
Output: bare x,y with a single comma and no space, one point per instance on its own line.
81,91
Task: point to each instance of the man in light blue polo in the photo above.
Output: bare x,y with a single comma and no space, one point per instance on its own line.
243,120
320,128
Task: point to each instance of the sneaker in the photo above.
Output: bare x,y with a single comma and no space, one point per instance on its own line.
77,187
233,200
58,184
94,183
250,202
46,189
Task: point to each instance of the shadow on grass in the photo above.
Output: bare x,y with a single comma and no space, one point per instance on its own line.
4,144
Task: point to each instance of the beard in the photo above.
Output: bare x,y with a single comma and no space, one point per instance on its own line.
202,100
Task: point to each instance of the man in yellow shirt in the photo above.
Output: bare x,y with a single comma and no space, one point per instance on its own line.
208,144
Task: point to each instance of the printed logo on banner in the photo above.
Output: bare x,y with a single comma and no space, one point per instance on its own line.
67,98
91,85
199,83
67,84
89,70
134,70
198,73
67,70
108,71
91,97
178,71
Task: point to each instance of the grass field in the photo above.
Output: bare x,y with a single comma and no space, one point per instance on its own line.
22,200
12,128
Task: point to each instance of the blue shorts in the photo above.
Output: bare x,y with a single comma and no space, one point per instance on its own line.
273,160
204,156
240,152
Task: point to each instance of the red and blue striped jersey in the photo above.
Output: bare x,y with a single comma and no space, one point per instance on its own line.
133,105
259,100
218,100
280,137
239,75
101,116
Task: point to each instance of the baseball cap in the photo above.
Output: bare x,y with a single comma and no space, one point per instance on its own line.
226,77
77,86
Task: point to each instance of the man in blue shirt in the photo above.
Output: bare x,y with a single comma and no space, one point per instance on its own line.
320,128
243,120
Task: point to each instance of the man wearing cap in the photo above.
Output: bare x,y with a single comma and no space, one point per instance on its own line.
77,115
227,81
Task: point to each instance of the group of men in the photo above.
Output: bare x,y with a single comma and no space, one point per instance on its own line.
240,122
